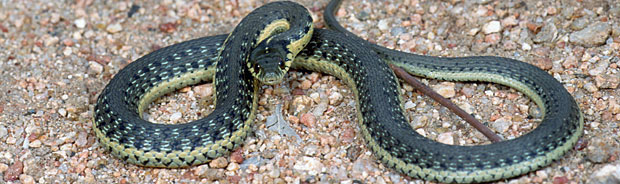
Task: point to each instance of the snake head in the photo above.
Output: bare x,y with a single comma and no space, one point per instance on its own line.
269,64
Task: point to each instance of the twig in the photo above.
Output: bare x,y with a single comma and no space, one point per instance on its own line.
447,103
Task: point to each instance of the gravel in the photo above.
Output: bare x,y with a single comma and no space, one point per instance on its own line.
57,56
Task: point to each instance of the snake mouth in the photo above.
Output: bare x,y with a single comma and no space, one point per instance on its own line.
271,77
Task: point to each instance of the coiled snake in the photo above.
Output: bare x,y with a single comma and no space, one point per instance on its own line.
280,35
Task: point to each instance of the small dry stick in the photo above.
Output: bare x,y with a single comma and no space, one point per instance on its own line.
447,103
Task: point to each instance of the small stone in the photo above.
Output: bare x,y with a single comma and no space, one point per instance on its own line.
80,23
560,180
492,38
176,116
305,84
526,46
237,156
26,179
473,31
62,112
570,62
114,28
593,35
510,21
310,164
383,25
67,51
310,150
95,67
607,174
492,27
409,105
445,89
82,139
579,24
468,108
219,163
308,119
274,173
3,131
590,87
204,90
35,144
3,167
335,98
547,34
13,172
232,166
600,68
607,81
446,138
599,150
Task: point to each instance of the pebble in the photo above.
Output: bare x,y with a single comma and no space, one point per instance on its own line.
547,34
219,163
26,179
590,87
35,144
445,89
492,27
114,28
335,98
310,164
3,167
204,90
3,131
446,138
599,150
579,24
409,105
176,116
609,174
383,25
308,119
62,112
95,67
82,139
80,23
593,35
14,171
607,81
305,84
232,167
600,68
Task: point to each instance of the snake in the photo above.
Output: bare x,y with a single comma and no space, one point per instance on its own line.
279,36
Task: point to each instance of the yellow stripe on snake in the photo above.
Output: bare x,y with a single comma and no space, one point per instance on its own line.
280,35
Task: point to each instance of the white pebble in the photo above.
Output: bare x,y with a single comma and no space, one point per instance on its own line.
80,23
176,116
492,27
114,28
446,138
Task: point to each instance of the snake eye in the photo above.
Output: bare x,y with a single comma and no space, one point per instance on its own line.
282,64
256,68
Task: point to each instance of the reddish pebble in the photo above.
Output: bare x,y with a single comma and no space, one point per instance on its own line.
308,119
14,171
581,144
234,179
492,38
168,27
560,180
237,156
347,135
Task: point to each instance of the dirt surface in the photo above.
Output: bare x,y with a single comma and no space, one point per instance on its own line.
57,56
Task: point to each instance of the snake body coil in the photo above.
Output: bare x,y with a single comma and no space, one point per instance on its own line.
262,48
